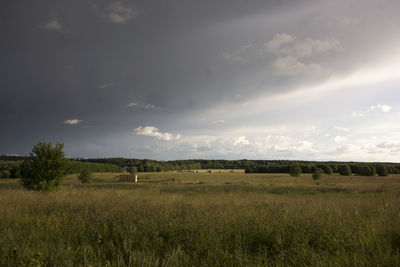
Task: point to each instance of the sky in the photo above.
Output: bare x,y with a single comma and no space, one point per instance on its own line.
210,79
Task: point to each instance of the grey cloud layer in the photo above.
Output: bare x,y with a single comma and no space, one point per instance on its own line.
169,62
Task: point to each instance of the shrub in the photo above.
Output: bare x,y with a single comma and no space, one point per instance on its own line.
382,170
4,174
295,170
132,170
84,176
317,174
45,167
328,170
366,170
248,170
345,170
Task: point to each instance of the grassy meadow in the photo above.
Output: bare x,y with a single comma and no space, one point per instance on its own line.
222,218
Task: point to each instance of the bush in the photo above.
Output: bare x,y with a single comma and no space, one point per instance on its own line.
317,174
45,167
248,170
327,170
345,170
84,176
133,170
4,174
382,170
366,170
295,170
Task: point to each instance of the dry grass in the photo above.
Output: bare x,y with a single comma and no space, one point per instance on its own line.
203,219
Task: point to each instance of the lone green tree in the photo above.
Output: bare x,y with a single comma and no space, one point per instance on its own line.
345,170
327,169
45,168
382,170
317,174
295,170
366,170
133,170
84,176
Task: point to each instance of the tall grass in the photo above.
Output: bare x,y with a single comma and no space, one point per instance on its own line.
207,224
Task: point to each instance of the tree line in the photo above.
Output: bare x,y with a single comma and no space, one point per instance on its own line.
359,168
12,169
252,166
46,167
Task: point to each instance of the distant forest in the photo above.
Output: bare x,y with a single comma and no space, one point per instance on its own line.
9,165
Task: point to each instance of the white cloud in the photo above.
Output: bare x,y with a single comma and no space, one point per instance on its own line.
346,21
154,132
106,85
357,114
389,145
340,139
379,107
240,140
277,42
286,45
141,105
238,97
340,128
53,25
290,66
314,129
73,121
303,145
218,122
290,51
345,148
384,151
117,13
239,55
310,47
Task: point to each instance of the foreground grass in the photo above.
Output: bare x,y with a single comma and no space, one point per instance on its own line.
204,219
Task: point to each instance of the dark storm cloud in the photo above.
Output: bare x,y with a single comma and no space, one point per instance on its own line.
57,57
119,65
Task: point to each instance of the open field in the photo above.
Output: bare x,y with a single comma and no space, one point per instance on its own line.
203,219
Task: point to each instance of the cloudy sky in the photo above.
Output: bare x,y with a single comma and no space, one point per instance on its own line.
179,79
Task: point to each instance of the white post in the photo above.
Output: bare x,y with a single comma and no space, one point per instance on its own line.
135,178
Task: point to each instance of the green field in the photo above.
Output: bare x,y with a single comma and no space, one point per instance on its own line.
203,219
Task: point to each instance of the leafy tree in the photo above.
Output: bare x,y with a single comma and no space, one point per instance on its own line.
334,168
382,170
4,174
147,168
325,168
133,170
345,170
328,170
295,170
317,174
45,167
248,170
14,172
84,176
366,170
